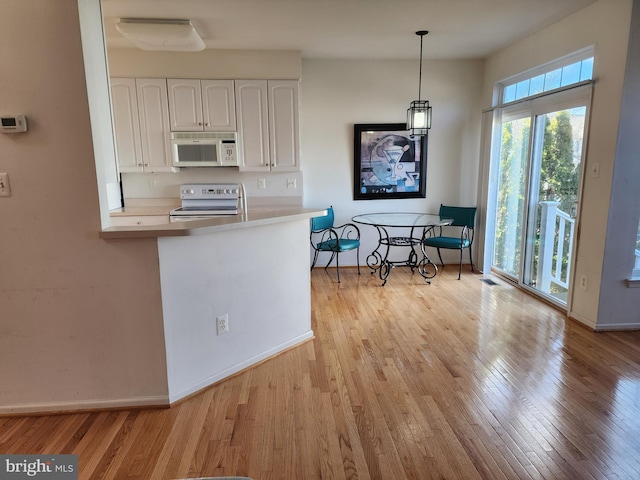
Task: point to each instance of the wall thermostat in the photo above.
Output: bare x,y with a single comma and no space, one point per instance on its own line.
13,123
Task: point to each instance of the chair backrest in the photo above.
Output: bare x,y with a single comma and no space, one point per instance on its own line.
320,223
462,216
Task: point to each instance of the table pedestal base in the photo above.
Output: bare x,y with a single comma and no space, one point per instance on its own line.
378,261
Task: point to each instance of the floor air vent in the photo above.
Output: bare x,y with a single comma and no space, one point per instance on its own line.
488,281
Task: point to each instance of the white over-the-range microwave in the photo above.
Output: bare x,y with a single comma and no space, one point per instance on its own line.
204,149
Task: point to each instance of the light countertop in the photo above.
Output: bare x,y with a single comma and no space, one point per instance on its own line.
151,210
255,217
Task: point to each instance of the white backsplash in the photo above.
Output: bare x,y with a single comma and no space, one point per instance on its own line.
278,187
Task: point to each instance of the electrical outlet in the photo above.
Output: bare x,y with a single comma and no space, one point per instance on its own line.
262,183
583,282
222,324
152,183
5,189
291,183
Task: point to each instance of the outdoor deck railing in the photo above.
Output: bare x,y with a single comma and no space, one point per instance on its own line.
556,247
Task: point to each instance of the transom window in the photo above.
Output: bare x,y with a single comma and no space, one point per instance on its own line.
571,70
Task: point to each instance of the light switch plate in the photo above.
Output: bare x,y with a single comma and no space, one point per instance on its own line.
5,189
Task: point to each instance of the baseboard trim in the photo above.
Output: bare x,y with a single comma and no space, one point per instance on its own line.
59,408
159,401
618,327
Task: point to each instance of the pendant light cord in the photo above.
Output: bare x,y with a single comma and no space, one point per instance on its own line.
422,33
420,76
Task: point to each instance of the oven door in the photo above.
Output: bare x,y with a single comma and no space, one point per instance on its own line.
182,215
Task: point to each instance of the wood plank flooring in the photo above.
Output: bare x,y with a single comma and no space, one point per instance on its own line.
453,380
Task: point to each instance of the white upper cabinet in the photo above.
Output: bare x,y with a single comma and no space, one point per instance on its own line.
154,124
218,105
284,135
201,105
253,130
185,105
126,124
268,125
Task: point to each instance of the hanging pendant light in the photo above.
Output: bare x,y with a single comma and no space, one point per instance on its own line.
419,112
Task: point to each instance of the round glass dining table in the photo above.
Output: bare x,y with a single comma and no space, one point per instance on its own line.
407,230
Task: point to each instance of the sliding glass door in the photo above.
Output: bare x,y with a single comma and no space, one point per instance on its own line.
538,177
511,193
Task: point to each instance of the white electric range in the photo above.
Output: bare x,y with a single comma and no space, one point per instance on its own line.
205,200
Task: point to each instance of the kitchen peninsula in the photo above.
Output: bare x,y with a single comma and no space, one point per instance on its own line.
252,270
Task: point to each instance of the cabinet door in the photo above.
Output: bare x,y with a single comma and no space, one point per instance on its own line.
126,221
283,125
218,105
252,118
185,105
126,124
154,124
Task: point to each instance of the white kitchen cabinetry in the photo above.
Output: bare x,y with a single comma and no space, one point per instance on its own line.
141,123
129,221
153,109
201,105
284,126
268,125
126,124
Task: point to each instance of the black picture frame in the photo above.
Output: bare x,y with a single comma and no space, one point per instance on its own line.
388,162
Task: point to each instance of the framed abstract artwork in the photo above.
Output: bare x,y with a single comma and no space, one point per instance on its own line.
388,162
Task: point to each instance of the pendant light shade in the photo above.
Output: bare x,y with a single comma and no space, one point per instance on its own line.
419,117
419,112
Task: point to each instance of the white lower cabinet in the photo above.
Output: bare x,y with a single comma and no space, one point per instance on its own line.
141,121
267,115
131,220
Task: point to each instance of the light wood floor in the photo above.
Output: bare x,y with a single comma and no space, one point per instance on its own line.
453,380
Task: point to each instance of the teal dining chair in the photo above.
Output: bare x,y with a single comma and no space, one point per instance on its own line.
326,237
463,223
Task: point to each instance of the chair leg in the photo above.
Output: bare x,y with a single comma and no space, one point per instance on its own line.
338,266
470,259
333,254
358,259
460,267
440,257
315,259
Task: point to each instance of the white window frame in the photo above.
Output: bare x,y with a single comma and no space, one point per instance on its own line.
578,56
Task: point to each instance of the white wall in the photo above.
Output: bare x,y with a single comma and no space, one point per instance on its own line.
605,25
214,64
80,318
619,305
338,94
257,276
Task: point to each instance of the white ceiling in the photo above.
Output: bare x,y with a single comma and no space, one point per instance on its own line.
350,29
